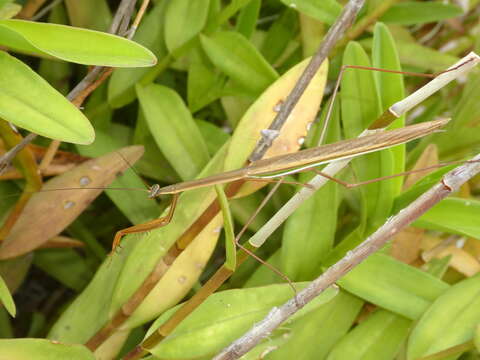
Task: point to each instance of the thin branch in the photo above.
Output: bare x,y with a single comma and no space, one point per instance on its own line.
30,8
450,183
10,154
46,9
335,33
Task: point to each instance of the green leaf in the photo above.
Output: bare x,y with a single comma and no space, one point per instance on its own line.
184,19
29,102
476,338
419,12
451,320
214,136
465,221
393,285
380,336
65,265
324,10
279,35
6,298
239,59
390,89
309,232
468,108
40,349
421,57
9,10
360,106
205,83
226,314
89,310
153,163
329,323
247,18
229,10
174,129
72,44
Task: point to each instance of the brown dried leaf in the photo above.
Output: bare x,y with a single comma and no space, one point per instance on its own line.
406,245
49,212
260,115
460,260
62,162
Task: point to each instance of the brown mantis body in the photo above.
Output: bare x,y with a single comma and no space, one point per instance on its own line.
302,160
286,164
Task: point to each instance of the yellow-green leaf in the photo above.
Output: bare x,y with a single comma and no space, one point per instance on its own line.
451,320
29,102
227,314
72,44
184,19
419,12
174,130
6,298
238,58
41,349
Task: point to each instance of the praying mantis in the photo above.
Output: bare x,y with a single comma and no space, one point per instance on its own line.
306,159
295,162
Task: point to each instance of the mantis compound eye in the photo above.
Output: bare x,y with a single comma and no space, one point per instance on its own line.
154,191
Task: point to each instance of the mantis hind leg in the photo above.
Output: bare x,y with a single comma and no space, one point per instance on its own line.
150,225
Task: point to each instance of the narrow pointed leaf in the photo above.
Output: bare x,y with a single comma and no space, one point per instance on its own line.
174,130
393,285
329,323
227,314
380,336
184,19
465,221
6,298
310,231
9,9
239,59
451,320
360,106
325,11
40,349
29,102
391,89
418,12
72,44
